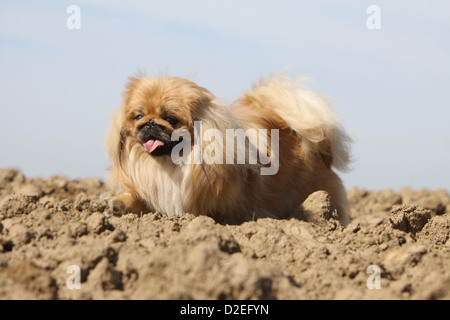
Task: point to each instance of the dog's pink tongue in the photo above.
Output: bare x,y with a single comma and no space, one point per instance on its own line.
151,145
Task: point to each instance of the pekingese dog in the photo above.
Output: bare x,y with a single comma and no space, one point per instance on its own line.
176,148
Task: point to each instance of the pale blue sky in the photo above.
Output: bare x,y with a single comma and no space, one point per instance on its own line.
391,87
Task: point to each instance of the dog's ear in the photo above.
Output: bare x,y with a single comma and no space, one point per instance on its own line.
115,145
115,139
131,86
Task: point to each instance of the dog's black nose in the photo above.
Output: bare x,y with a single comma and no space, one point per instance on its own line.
150,124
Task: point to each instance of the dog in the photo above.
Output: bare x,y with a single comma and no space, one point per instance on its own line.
175,148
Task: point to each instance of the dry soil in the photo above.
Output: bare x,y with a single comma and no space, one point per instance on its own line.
56,231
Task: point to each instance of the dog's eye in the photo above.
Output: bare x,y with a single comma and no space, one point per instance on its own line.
139,116
173,121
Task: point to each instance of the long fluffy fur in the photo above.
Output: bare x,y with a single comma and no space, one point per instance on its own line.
311,140
308,113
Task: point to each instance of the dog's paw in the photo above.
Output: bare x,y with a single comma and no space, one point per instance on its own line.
114,206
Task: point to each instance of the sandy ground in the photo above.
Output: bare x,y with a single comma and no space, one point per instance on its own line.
57,243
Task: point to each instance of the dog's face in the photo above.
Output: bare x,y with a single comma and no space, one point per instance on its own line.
154,108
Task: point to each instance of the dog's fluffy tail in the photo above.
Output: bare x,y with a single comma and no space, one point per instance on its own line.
309,114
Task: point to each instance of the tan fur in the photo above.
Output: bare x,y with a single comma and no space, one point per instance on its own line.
311,140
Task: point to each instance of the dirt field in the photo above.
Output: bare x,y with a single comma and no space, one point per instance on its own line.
55,232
